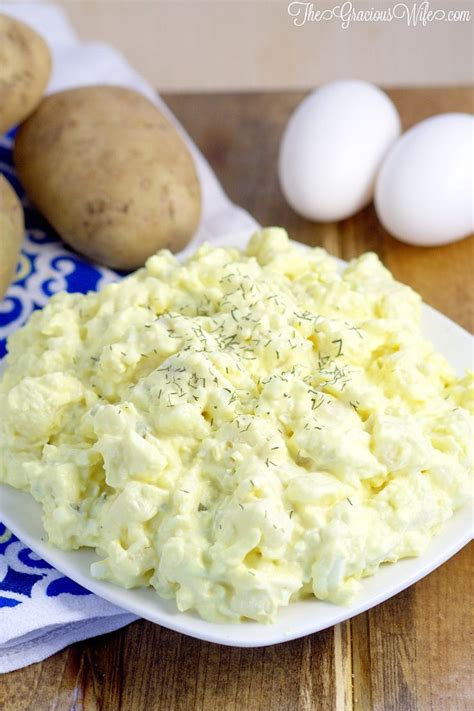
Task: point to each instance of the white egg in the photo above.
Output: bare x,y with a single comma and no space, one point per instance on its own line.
333,146
425,188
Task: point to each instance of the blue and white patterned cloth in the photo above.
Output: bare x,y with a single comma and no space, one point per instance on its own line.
41,611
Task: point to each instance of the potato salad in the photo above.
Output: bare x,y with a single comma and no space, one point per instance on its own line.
240,431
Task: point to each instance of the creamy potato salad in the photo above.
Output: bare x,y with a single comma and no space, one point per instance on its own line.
240,431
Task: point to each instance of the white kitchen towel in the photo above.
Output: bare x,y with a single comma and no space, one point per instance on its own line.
41,611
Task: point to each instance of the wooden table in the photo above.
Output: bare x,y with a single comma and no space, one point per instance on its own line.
412,652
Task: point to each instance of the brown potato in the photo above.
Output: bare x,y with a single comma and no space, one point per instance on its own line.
25,66
110,173
11,233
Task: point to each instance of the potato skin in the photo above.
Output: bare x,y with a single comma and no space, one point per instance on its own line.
25,67
12,229
110,173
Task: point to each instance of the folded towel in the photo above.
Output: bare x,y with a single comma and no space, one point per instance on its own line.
41,611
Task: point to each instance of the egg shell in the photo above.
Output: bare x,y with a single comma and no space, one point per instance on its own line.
425,189
332,148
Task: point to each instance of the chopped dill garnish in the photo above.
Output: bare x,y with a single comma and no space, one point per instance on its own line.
338,340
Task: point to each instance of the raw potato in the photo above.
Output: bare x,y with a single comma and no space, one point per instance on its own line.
110,173
11,233
25,66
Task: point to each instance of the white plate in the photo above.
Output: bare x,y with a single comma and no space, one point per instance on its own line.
23,516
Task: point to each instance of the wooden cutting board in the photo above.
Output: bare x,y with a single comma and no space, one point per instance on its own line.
410,653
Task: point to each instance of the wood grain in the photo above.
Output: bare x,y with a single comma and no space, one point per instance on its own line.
412,653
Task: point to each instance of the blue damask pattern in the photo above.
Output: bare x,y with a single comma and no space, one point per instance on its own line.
46,266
